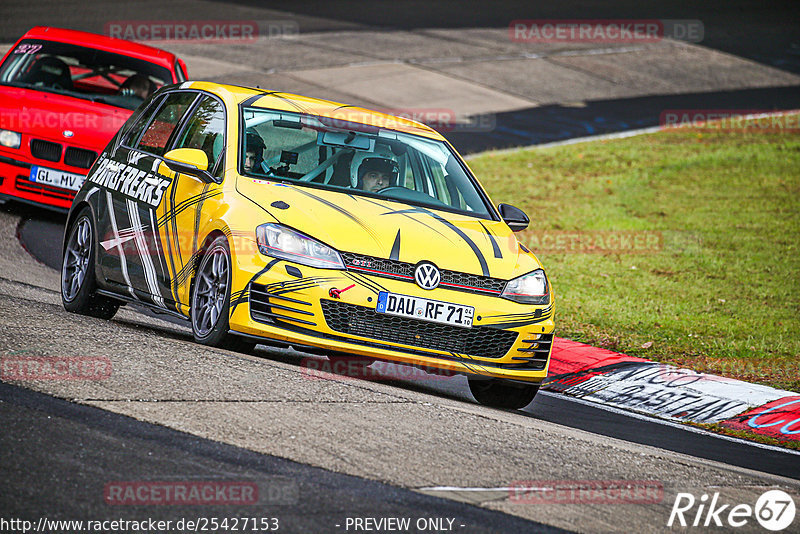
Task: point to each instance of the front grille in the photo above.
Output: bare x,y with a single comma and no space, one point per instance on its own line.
366,322
458,281
78,157
23,183
45,150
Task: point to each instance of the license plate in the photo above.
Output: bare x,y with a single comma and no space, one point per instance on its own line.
67,180
425,309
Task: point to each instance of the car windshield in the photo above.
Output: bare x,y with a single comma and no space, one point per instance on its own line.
82,72
358,159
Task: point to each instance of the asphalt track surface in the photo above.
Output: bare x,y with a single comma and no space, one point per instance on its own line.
58,455
114,447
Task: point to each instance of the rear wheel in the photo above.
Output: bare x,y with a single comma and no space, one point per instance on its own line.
499,393
211,297
78,282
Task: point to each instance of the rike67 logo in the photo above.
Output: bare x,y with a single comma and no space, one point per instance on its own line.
774,510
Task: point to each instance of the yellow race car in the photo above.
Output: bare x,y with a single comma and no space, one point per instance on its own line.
265,217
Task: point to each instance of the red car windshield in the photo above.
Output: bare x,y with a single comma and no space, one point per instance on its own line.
82,72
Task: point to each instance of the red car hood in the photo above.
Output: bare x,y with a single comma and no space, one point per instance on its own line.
49,115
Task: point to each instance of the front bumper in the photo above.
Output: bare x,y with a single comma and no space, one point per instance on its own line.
15,184
280,301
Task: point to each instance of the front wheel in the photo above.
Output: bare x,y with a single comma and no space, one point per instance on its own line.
211,297
499,393
78,282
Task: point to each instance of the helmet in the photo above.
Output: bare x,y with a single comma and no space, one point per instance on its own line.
254,143
382,159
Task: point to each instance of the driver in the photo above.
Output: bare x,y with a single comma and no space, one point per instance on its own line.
374,171
137,85
254,153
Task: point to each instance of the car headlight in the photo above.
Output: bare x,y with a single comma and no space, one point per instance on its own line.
531,288
281,242
10,139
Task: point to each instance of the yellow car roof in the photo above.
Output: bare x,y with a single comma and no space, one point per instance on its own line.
315,106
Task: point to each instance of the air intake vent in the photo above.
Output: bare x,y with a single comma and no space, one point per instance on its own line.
45,150
78,157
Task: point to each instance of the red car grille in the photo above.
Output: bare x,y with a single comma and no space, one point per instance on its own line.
74,156
45,150
23,183
78,157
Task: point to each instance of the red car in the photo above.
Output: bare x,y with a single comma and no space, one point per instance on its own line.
63,96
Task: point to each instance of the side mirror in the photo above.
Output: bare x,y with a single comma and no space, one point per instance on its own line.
191,161
514,217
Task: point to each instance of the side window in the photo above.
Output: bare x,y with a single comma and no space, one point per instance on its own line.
206,131
141,121
156,136
180,73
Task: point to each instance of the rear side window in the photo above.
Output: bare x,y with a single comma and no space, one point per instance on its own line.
206,130
132,135
157,135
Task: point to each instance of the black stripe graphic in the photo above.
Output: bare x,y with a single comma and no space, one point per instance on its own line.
395,254
343,211
244,294
495,248
280,288
405,213
454,228
519,315
366,282
168,218
186,271
186,204
197,218
522,322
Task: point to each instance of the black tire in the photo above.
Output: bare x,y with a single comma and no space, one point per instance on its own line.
78,281
211,299
499,393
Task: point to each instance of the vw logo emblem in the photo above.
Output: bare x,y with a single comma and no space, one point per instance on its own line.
427,276
68,133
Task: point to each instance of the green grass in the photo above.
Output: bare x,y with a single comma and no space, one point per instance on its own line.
722,294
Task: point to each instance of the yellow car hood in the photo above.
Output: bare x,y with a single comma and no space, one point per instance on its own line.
389,229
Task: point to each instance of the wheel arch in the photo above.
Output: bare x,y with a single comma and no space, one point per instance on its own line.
201,252
71,217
